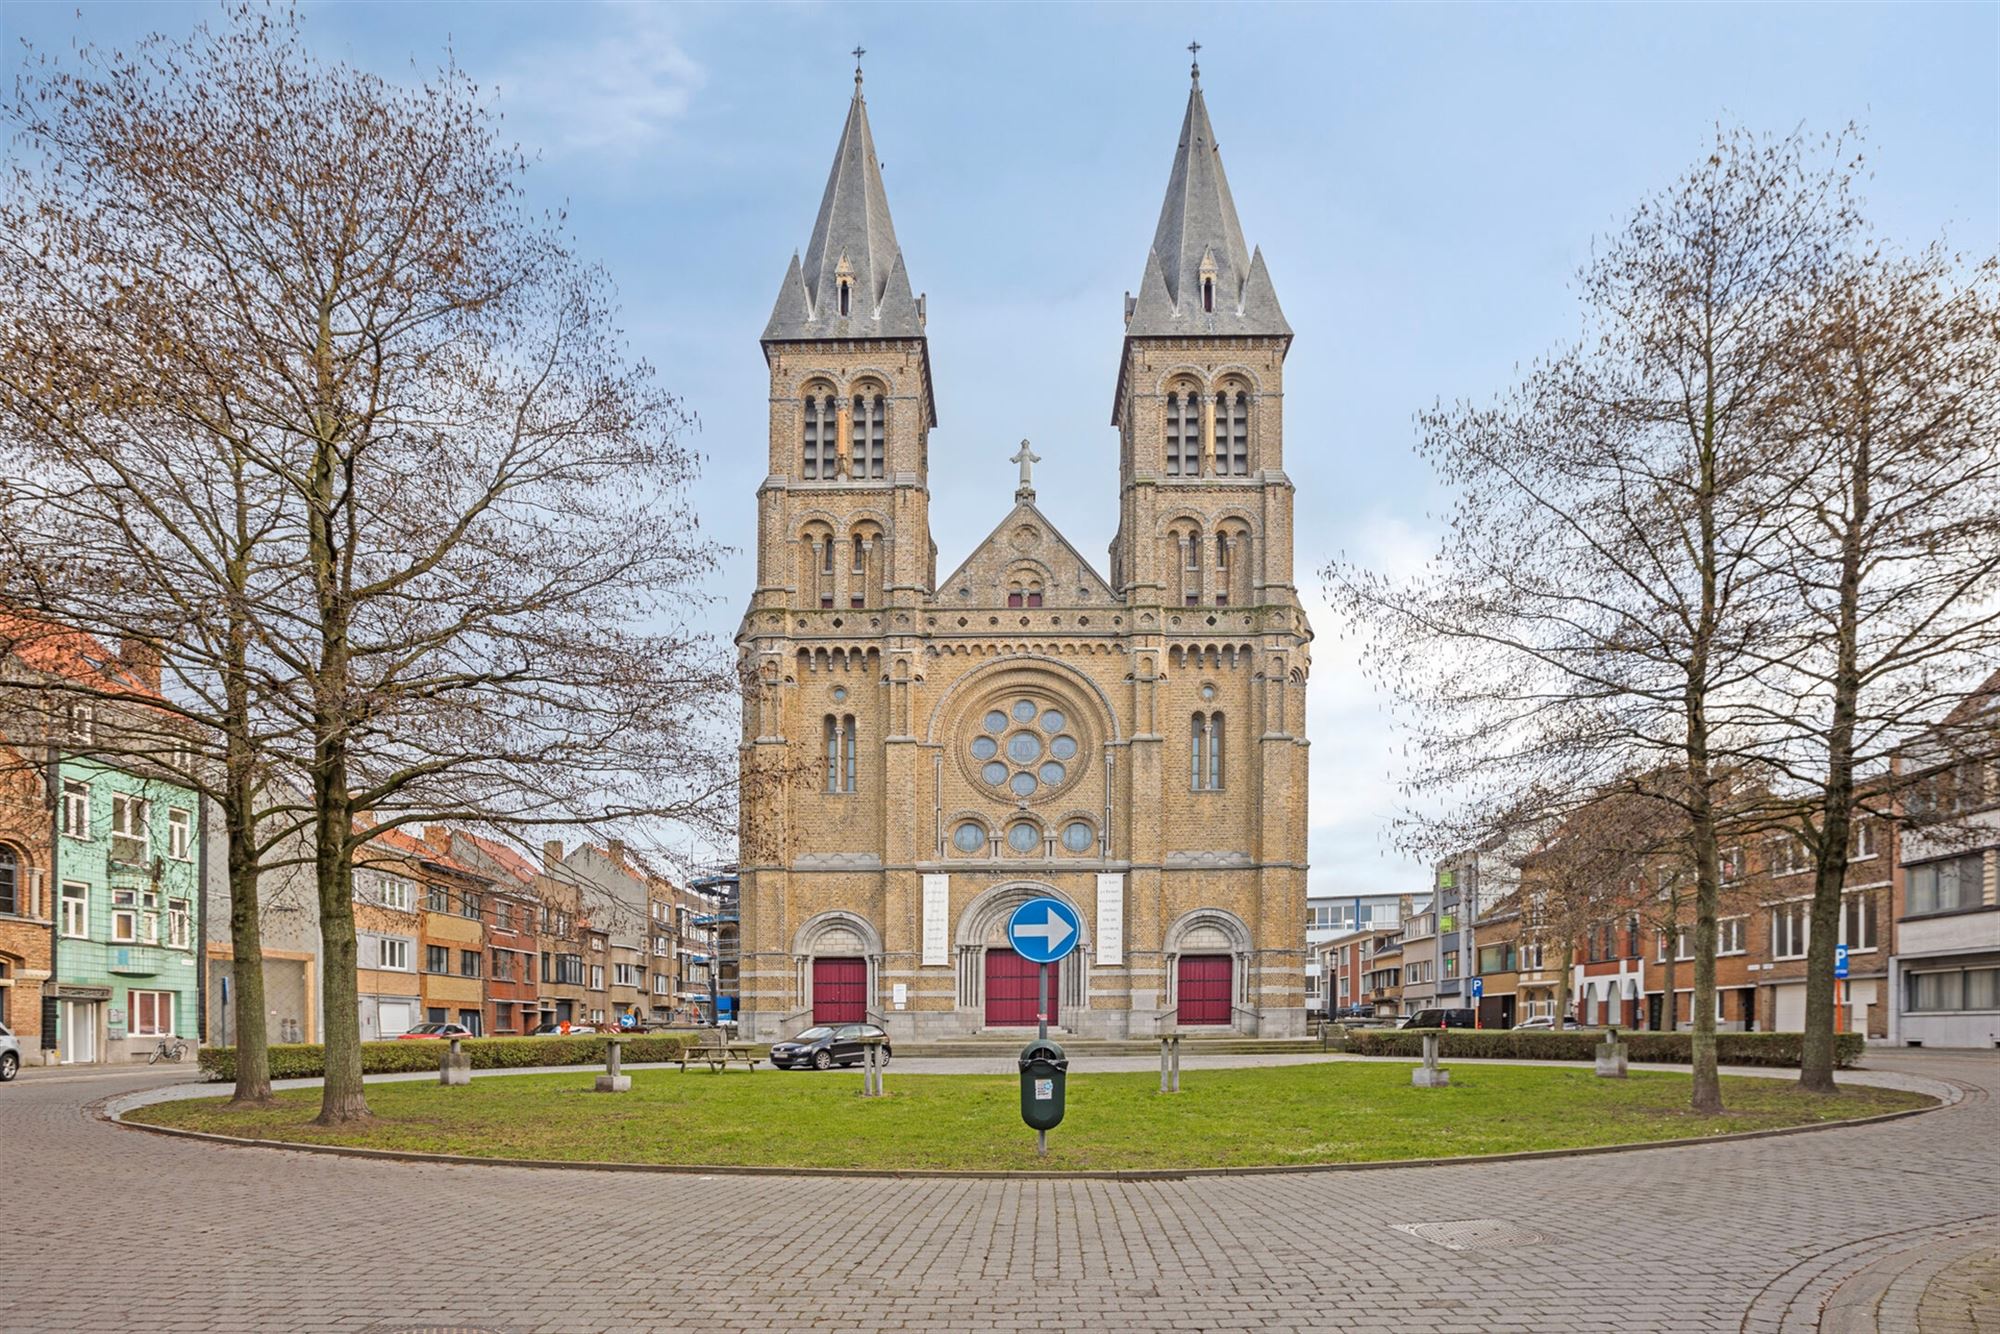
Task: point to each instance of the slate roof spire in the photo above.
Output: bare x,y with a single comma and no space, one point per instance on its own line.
853,246
1200,277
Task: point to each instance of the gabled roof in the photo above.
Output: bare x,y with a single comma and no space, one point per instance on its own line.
852,238
74,655
500,855
996,553
1199,236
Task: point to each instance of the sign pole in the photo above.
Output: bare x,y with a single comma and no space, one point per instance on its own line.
1042,1031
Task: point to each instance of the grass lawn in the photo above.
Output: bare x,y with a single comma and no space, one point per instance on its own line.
1334,1112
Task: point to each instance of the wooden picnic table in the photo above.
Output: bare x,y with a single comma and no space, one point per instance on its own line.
718,1055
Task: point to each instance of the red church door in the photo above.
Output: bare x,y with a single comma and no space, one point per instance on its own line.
840,991
1012,985
1205,983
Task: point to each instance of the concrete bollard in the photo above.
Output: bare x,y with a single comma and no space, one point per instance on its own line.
1611,1057
1428,1075
612,1080
456,1067
1170,1063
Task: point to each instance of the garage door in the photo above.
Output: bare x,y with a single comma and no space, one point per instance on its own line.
1204,989
840,991
1011,987
395,1017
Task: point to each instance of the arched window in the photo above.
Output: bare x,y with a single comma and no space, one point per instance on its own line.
1222,544
1205,753
821,461
839,734
1184,433
1233,449
1208,295
10,883
846,287
871,415
1025,592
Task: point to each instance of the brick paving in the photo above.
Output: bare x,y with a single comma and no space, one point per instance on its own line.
119,1230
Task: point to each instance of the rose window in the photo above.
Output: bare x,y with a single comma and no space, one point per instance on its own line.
1024,748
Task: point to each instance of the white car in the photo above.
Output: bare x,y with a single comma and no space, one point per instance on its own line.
1546,1024
10,1054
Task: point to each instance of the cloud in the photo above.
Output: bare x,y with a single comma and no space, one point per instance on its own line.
615,92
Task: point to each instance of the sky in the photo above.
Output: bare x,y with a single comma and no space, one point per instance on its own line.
1424,180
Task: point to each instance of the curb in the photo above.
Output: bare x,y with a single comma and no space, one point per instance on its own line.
105,1112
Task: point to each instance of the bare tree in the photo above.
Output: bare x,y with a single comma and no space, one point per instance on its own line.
1890,420
1605,579
483,539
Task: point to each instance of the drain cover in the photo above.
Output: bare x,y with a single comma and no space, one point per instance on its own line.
1476,1234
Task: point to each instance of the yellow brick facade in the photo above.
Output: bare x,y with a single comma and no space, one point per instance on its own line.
1149,728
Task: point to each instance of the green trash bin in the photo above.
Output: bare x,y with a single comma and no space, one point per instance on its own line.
1044,1072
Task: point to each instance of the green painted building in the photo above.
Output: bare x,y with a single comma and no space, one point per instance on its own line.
128,913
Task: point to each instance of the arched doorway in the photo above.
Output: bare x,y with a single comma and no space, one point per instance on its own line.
997,985
837,955
1208,967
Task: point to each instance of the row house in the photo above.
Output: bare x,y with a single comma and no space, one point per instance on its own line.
1357,979
1418,940
387,936
1944,980
513,916
27,921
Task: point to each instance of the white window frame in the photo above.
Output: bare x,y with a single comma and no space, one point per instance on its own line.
1869,916
80,722
161,999
597,977
125,926
76,808
401,946
180,924
81,902
180,834
136,824
1723,929
1784,911
1861,841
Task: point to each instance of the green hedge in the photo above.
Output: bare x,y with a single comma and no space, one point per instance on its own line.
1780,1049
308,1060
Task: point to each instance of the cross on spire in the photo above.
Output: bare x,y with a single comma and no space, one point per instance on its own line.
858,52
1194,66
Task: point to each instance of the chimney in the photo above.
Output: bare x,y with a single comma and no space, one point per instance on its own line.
552,854
617,848
141,660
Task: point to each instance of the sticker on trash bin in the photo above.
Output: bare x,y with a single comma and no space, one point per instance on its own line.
1045,1090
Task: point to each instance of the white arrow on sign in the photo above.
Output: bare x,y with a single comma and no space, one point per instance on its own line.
1053,931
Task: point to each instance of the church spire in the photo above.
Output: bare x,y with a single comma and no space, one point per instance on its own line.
851,283
1200,277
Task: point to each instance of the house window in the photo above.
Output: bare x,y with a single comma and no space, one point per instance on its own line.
659,984
1859,922
1953,989
468,963
625,974
152,1013
180,834
1861,843
76,808
1205,758
10,881
1729,935
597,977
75,910
437,959
469,905
1951,885
1451,963
81,723
395,955
437,899
1789,855
180,922
1788,931
130,840
839,736
1731,860
569,970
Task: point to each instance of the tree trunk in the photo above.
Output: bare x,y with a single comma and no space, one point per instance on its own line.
246,934
1670,1003
1562,983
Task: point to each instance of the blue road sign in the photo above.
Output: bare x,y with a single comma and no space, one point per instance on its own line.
1840,961
1043,930
1478,987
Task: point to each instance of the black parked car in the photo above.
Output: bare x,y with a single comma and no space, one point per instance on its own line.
827,1045
1440,1019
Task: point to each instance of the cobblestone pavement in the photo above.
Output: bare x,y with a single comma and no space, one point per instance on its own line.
119,1230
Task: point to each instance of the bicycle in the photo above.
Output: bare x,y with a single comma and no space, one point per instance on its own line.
175,1052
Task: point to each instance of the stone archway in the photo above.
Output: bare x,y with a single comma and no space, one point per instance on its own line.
1211,933
983,926
836,935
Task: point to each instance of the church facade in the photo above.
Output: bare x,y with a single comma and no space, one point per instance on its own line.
923,754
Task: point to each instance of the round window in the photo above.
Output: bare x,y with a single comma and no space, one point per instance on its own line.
1024,710
1063,748
969,837
1053,773
840,694
1052,720
994,773
1024,748
984,748
1022,784
996,721
1023,837
1077,836
1208,692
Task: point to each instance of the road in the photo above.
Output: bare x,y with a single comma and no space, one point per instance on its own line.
1887,1227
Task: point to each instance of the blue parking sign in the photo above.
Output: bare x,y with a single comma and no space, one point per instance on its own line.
1478,987
1840,961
